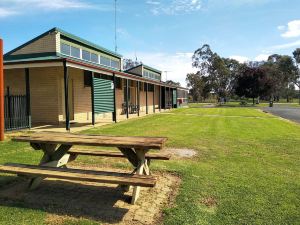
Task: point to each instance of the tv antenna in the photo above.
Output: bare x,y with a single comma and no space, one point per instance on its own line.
116,47
166,72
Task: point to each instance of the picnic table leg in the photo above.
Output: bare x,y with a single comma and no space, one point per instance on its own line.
51,158
140,153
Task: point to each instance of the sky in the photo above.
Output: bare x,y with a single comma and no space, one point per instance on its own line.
162,33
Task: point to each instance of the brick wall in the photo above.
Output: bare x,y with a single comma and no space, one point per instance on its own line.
44,94
15,80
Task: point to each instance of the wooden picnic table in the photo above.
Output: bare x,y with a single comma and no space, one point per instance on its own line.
57,145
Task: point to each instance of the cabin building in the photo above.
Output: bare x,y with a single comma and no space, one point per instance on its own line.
59,78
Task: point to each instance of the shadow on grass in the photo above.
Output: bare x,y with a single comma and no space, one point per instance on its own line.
65,198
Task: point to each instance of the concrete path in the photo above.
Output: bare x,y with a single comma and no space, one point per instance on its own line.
290,113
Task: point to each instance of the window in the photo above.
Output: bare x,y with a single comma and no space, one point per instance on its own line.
87,78
115,64
86,55
65,49
104,61
75,52
94,58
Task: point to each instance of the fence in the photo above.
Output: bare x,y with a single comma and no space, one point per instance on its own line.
15,112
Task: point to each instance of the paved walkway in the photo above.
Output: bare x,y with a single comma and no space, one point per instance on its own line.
290,113
77,127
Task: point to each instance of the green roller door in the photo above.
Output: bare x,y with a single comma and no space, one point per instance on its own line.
174,97
103,95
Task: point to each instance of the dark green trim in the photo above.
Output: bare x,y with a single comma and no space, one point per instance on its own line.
28,56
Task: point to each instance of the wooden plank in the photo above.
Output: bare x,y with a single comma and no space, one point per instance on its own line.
80,175
107,153
140,170
94,140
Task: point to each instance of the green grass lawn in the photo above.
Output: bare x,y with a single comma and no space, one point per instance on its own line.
247,170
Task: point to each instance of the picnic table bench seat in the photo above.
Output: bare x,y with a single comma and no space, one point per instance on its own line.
105,153
58,153
79,175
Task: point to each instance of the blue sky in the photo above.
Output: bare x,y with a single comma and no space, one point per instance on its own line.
162,33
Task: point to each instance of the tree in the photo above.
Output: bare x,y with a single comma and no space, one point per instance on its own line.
212,66
248,83
171,82
296,79
281,70
195,84
129,63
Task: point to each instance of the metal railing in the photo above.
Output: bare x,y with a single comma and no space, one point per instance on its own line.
15,112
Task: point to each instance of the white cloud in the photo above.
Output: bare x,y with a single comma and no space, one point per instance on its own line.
13,7
239,58
291,30
286,46
281,27
262,57
178,64
242,59
153,2
6,12
174,7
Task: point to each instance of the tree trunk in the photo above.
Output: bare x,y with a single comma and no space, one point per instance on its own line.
253,101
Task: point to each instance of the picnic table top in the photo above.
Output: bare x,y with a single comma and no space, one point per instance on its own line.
93,140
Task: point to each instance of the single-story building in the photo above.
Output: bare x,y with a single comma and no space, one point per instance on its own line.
59,78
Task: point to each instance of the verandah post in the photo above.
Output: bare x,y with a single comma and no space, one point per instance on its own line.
127,105
66,87
146,98
115,104
138,98
153,98
1,93
28,109
159,98
93,99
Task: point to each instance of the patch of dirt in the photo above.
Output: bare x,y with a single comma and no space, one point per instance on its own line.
74,200
209,201
181,152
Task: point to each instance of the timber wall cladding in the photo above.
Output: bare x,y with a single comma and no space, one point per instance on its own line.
44,91
15,80
47,43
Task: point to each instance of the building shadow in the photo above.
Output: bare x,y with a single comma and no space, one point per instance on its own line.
68,198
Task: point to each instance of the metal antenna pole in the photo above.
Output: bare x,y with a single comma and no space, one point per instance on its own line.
116,47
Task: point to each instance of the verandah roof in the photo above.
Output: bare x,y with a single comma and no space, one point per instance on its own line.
53,60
